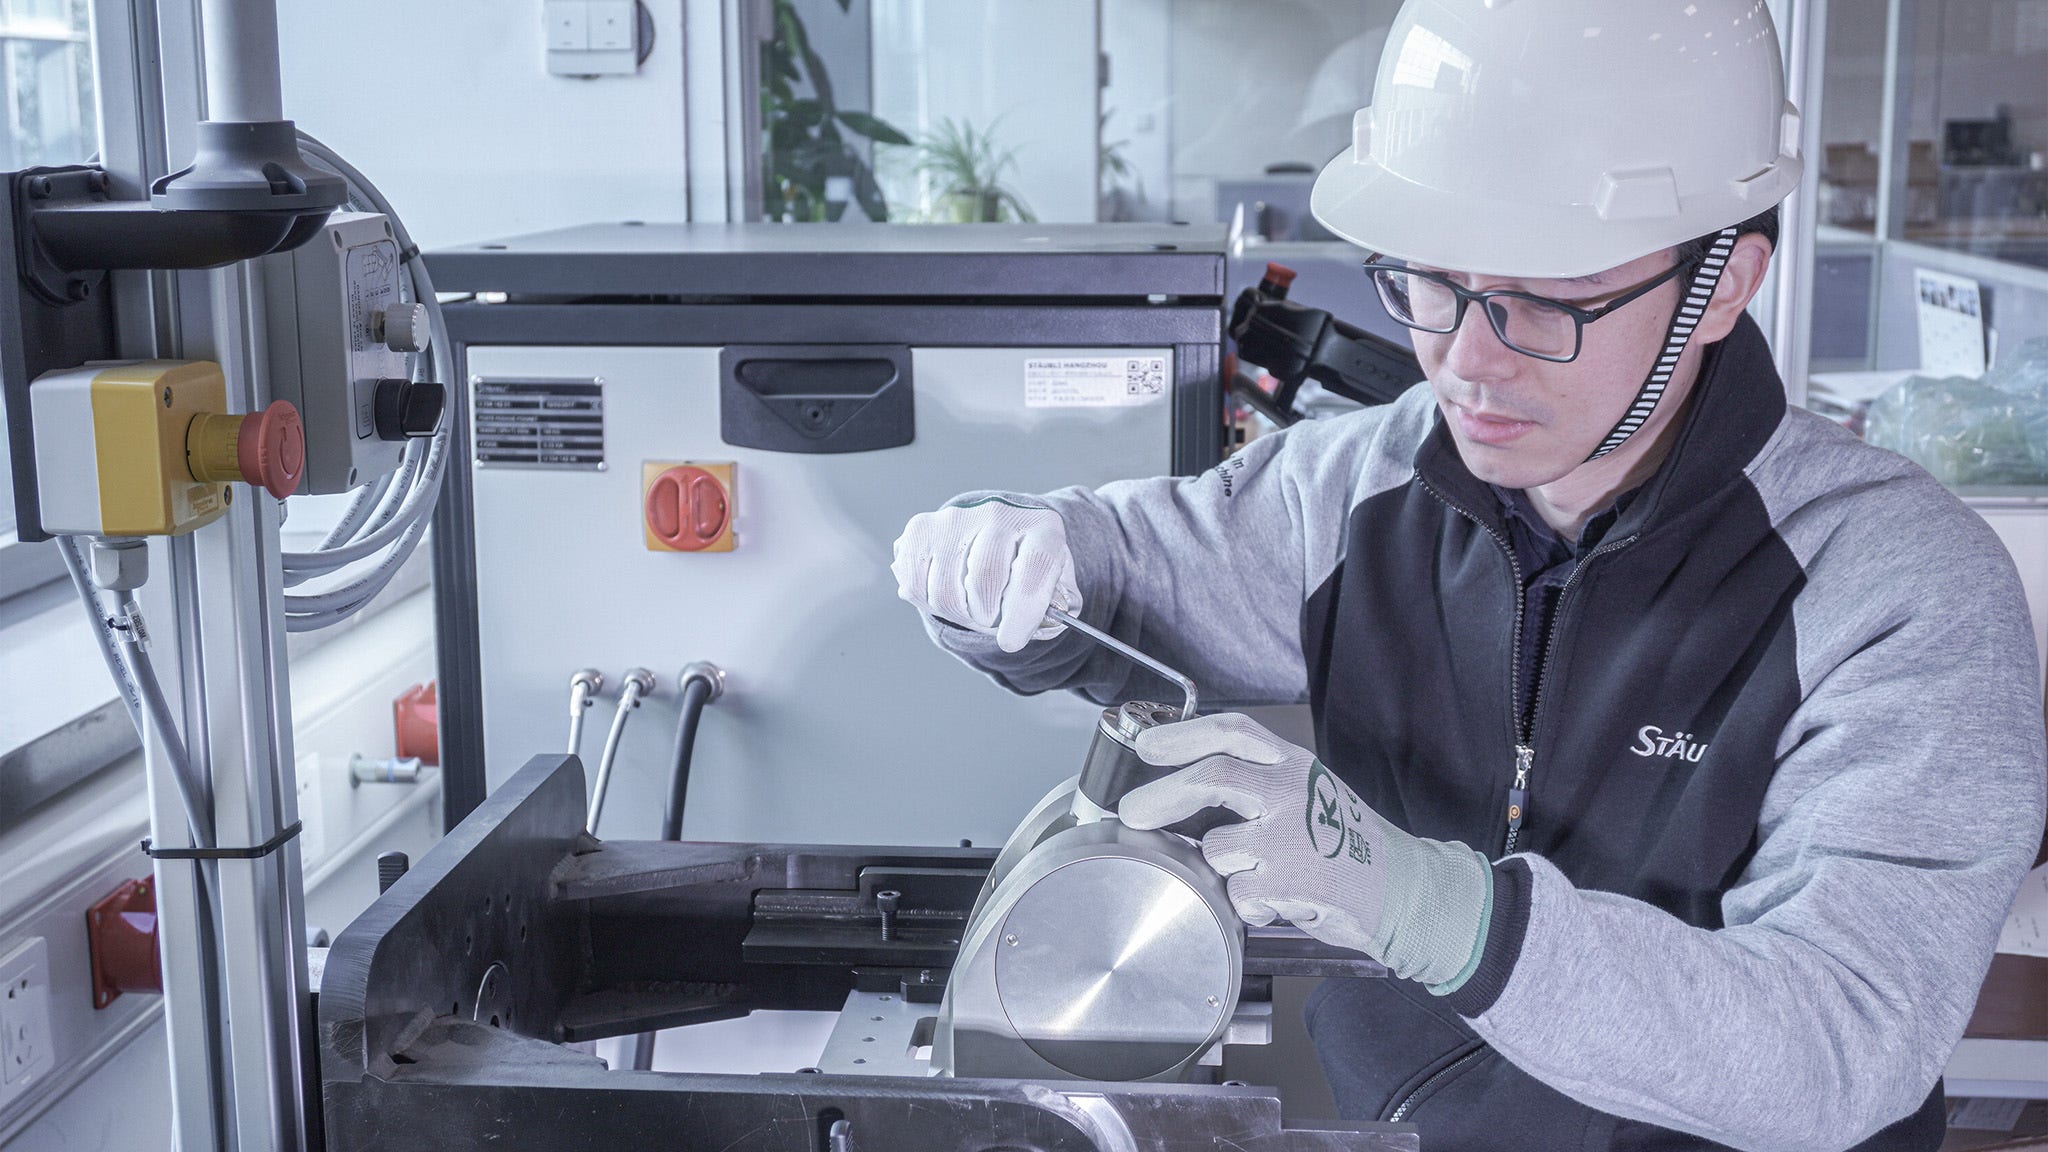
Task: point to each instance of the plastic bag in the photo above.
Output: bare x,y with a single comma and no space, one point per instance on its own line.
1968,432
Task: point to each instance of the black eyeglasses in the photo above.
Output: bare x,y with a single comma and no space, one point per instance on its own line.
1532,325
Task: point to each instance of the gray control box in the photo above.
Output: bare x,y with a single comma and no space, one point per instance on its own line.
338,328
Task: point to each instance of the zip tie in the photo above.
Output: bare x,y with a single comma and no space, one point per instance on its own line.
256,853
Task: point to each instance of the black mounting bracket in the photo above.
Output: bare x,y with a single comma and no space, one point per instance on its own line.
247,193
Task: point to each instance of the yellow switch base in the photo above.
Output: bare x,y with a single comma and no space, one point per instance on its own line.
110,447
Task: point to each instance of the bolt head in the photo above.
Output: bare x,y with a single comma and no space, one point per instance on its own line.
1011,939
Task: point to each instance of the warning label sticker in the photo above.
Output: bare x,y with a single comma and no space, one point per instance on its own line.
1093,381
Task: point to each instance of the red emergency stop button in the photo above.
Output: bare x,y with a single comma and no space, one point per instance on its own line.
271,450
688,509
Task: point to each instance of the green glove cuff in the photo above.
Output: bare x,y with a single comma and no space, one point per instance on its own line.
1437,901
1478,945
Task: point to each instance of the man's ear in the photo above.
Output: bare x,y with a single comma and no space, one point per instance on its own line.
1739,284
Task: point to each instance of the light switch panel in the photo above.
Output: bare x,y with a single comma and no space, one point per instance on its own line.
611,25
589,38
568,23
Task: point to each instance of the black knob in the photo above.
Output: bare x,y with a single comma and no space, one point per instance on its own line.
390,866
407,409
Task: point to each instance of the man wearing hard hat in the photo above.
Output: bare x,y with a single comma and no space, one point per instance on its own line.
1680,754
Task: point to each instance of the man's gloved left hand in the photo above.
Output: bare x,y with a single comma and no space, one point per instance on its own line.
1310,850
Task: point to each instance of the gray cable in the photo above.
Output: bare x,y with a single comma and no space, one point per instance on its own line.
397,517
358,511
630,692
194,790
364,587
135,679
102,632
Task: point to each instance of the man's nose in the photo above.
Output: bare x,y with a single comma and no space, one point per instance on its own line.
1476,353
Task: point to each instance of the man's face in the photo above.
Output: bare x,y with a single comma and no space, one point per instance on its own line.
1520,422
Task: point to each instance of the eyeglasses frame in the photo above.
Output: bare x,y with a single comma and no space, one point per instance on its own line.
1466,296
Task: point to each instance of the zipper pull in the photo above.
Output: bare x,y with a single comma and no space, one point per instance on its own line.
1518,793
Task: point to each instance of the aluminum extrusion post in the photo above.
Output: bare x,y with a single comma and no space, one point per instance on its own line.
242,1048
243,82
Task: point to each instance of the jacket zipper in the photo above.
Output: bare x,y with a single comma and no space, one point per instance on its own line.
1401,1112
1524,731
1525,751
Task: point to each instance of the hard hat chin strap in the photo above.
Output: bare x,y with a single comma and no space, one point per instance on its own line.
1676,337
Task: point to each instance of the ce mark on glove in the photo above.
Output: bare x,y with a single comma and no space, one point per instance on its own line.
1311,850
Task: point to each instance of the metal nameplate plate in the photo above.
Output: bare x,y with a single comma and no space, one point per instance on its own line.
527,422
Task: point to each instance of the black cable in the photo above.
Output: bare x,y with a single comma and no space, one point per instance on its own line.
697,692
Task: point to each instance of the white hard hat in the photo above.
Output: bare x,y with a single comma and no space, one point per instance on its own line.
1558,138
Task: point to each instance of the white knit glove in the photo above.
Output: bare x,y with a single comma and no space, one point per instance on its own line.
1311,851
994,564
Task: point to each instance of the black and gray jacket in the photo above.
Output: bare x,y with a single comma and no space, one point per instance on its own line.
1787,774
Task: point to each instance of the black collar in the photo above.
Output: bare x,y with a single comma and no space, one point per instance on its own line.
1735,408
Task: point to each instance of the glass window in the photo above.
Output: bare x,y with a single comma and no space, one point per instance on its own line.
46,79
46,55
1929,329
1061,110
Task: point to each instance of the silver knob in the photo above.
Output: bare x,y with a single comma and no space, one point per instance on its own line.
403,327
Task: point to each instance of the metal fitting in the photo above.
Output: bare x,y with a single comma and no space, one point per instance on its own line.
119,565
887,902
590,680
394,770
636,685
706,671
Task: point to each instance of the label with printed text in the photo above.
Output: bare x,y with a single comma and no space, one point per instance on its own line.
1093,381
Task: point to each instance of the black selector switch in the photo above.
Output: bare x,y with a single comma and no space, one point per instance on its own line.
408,409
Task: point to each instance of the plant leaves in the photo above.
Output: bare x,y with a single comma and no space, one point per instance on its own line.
872,127
805,113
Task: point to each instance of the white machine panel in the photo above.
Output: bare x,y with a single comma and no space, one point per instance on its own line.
841,722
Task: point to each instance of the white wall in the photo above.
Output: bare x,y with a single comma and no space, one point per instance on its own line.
448,107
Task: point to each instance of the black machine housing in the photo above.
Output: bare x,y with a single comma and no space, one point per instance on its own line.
445,1010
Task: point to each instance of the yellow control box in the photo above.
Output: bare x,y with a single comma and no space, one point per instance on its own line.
111,447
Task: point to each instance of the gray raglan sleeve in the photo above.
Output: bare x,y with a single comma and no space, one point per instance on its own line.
1209,573
1905,809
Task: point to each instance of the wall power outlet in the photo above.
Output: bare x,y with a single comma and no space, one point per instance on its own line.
27,1052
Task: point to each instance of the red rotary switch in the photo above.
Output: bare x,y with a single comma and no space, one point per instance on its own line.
687,509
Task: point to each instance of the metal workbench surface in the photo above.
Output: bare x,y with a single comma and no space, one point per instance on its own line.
867,261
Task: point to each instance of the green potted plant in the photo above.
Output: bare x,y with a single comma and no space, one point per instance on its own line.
965,168
804,136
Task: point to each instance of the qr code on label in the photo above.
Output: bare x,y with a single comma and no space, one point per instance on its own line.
1144,377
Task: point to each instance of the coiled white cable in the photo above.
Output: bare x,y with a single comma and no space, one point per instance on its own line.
385,522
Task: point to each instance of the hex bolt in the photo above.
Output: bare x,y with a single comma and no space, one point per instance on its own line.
887,901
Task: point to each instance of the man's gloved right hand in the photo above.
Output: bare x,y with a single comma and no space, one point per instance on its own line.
994,564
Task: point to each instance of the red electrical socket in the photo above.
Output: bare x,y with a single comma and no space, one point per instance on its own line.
121,929
415,717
